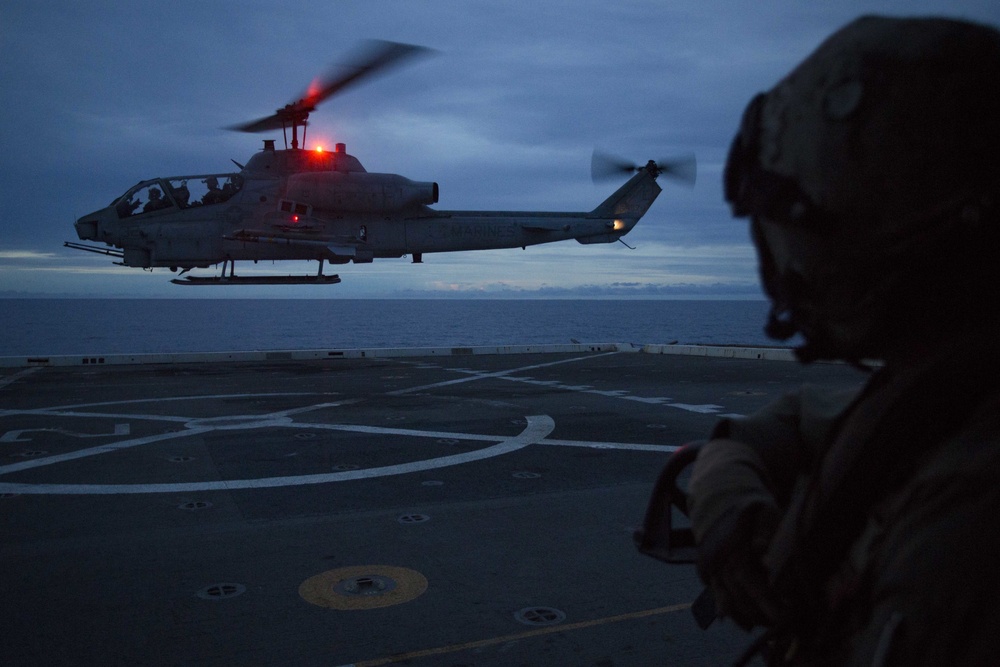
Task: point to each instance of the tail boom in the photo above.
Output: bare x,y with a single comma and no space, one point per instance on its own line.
445,231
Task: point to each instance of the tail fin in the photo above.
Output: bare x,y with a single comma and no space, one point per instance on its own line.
632,200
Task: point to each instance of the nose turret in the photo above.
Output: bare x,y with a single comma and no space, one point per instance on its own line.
98,226
89,226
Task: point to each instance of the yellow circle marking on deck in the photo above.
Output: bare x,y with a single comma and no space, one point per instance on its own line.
321,590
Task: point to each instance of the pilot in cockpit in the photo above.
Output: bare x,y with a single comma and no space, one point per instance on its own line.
181,194
156,201
214,194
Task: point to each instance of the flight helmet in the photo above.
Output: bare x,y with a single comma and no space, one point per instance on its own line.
870,174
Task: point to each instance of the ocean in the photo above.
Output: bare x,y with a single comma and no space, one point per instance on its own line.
116,326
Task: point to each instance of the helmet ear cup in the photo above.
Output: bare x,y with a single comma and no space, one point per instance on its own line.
802,301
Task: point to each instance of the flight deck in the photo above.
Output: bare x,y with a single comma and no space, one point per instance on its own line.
423,508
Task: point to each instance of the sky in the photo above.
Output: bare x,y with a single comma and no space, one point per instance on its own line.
96,96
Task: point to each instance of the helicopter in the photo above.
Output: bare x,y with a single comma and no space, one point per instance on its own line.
314,204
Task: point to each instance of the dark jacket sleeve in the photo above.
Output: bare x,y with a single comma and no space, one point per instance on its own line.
790,434
755,460
934,570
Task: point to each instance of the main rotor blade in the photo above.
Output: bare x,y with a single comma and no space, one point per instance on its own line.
273,122
375,57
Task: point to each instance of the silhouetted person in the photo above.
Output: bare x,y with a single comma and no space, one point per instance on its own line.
862,529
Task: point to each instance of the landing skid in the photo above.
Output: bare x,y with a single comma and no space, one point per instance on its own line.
257,280
233,279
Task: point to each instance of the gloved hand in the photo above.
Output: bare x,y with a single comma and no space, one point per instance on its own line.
730,562
734,516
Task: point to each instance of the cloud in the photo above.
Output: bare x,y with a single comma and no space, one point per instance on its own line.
26,255
67,270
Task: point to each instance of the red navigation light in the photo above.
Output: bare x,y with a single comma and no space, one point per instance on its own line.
295,218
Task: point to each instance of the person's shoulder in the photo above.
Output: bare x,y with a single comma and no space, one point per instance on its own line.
972,451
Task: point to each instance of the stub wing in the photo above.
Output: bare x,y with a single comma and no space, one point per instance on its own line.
333,249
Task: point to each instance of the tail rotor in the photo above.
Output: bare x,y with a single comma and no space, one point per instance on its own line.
682,169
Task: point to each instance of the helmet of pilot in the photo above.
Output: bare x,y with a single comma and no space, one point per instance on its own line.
870,177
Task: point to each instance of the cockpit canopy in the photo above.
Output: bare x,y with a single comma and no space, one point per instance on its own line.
178,192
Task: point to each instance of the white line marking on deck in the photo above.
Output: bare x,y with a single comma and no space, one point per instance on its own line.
475,375
509,376
538,427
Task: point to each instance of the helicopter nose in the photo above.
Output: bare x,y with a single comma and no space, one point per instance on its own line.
86,229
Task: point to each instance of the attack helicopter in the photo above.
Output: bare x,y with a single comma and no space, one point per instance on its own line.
299,204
